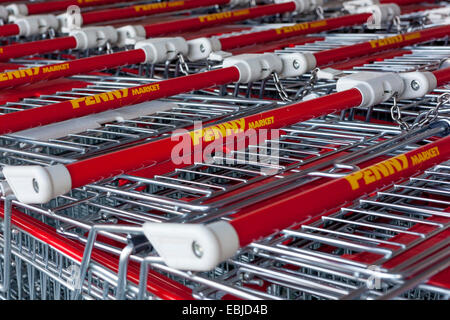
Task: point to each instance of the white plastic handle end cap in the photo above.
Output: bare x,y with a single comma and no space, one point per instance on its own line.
194,247
4,13
36,184
201,48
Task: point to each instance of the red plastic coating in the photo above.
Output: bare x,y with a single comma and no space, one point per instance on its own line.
52,6
279,214
9,30
61,111
161,28
375,46
36,47
295,30
65,69
146,10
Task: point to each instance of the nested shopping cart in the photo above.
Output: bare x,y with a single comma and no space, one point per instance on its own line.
299,262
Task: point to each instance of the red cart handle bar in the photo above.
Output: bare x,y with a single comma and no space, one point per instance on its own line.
96,63
59,179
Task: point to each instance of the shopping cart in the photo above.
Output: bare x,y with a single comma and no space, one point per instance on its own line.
118,200
179,181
